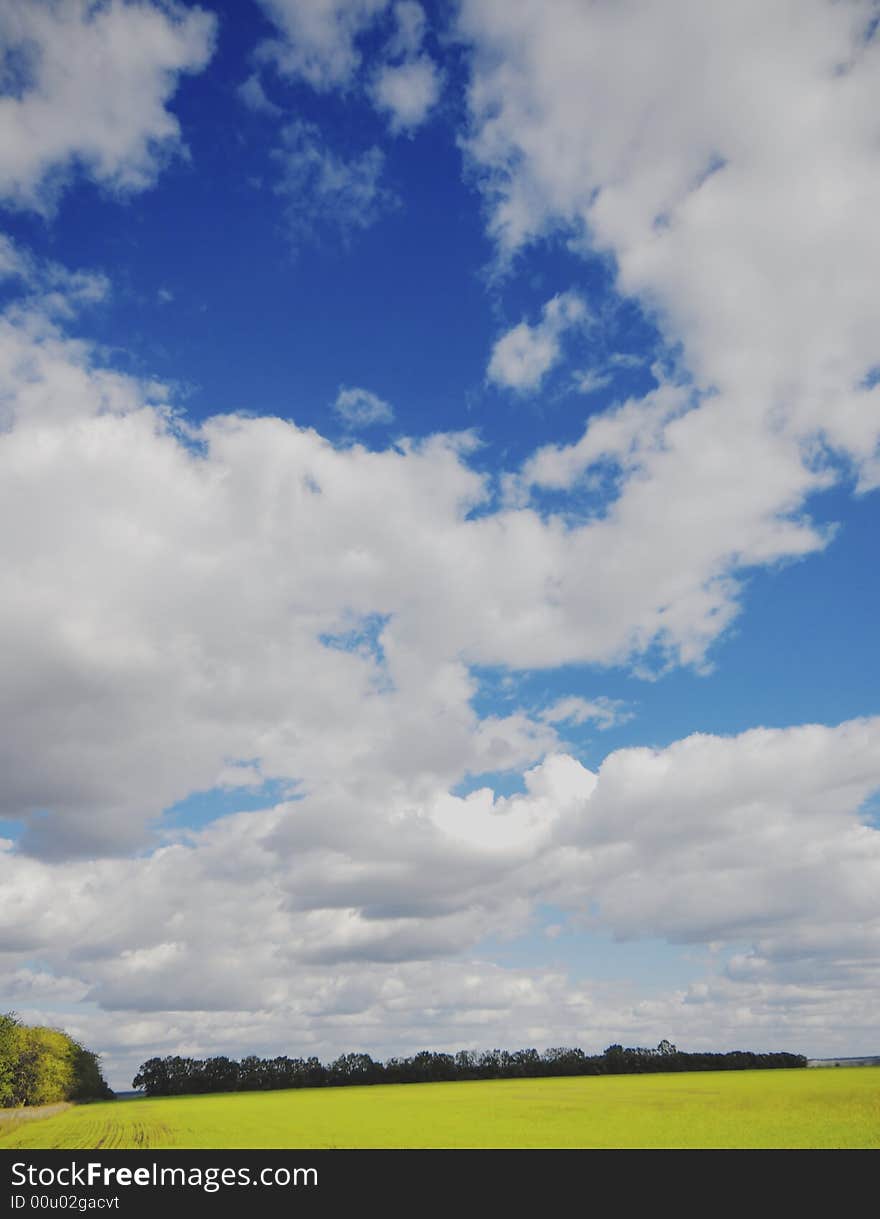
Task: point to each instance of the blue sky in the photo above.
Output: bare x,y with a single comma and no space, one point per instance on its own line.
441,450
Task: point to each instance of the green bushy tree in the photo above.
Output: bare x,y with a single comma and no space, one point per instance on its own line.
39,1066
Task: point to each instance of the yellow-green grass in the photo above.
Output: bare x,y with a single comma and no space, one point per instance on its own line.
800,1108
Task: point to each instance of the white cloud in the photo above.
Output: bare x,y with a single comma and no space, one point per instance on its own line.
591,380
523,356
407,85
725,157
326,192
756,837
56,291
239,776
604,712
360,407
319,37
407,91
151,663
14,263
753,845
318,43
171,593
73,56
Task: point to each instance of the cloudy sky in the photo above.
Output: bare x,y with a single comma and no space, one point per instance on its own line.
439,467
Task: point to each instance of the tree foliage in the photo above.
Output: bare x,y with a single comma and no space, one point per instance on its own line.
39,1066
174,1076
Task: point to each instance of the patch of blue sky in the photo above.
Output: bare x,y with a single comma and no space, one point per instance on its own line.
362,638
554,941
589,499
201,808
10,290
869,813
13,828
16,69
503,692
214,288
614,352
502,783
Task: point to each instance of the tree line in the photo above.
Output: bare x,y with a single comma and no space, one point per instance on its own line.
39,1066
174,1076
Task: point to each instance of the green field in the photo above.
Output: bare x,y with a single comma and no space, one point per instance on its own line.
817,1108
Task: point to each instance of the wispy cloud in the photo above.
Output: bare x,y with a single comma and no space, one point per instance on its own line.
361,408
603,712
318,38
254,96
326,193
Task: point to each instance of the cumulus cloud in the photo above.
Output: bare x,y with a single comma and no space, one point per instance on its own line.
523,356
240,602
754,845
737,205
155,662
326,192
176,596
757,836
67,58
361,408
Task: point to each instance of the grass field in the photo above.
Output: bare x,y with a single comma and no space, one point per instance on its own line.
820,1108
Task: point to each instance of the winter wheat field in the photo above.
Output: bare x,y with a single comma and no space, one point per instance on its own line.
818,1109
439,468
